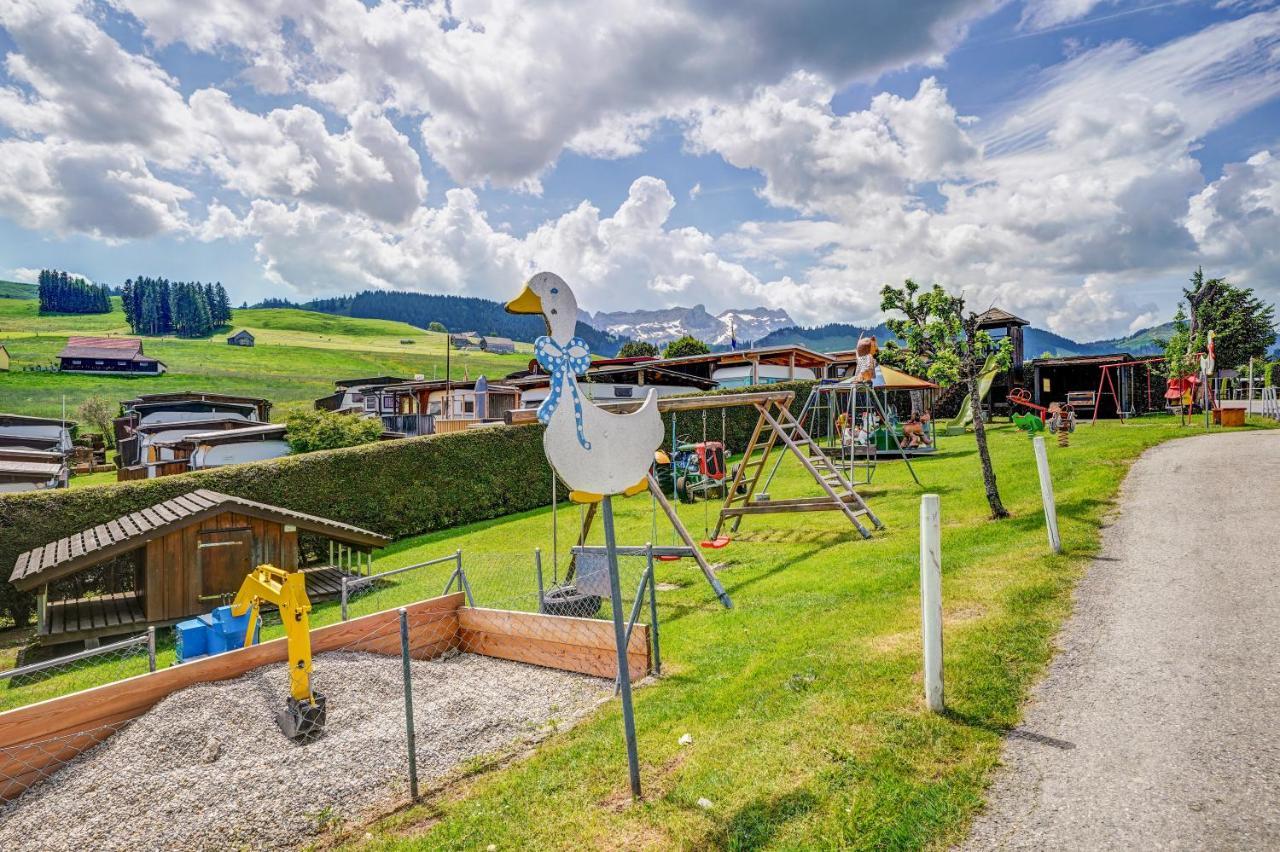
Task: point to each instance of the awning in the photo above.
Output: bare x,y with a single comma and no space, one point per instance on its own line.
895,380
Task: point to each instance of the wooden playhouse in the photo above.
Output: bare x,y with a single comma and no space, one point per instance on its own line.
174,560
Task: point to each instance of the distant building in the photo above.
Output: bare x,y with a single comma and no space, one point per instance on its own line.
465,340
45,434
150,427
107,355
240,338
498,345
358,396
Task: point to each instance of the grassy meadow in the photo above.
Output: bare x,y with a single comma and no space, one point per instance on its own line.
804,701
298,356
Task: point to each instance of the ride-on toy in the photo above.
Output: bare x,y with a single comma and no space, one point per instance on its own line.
694,470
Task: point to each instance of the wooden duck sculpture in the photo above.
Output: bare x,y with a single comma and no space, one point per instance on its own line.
595,452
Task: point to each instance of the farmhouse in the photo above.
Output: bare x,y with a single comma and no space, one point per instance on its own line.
240,338
171,561
118,355
498,345
465,340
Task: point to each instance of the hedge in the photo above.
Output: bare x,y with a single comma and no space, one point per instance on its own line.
399,488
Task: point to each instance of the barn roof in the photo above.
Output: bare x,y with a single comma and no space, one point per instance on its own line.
120,348
69,555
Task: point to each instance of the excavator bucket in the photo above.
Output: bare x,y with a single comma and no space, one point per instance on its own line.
302,720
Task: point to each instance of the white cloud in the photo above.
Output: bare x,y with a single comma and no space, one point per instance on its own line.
1235,221
843,165
105,191
1052,207
28,275
288,153
502,88
71,80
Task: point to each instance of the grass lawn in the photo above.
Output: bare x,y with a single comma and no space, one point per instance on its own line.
805,701
298,356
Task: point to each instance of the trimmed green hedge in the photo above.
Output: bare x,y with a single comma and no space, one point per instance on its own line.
398,488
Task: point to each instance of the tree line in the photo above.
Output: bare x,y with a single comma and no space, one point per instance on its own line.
61,294
457,313
182,308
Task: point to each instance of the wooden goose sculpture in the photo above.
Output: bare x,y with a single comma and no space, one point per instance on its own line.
596,452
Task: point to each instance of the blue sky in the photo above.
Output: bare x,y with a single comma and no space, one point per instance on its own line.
1070,160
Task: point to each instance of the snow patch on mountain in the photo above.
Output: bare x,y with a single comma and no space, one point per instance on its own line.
661,326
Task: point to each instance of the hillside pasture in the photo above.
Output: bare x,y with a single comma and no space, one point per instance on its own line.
298,356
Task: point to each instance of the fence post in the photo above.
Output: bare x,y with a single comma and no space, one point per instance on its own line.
537,562
151,648
653,612
1046,494
931,599
344,596
410,736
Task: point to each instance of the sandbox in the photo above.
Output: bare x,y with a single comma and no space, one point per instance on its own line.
190,756
208,768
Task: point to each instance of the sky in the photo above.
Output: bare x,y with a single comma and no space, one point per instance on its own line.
1071,161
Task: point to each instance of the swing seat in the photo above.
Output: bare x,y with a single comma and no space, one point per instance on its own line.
668,558
716,543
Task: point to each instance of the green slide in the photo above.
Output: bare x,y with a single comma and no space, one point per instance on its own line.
989,371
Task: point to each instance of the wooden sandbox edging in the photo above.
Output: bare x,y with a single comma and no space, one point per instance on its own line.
54,731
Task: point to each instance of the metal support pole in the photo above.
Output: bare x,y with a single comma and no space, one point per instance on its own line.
331,562
931,599
1046,494
619,635
653,614
410,736
537,563
466,587
151,649
344,597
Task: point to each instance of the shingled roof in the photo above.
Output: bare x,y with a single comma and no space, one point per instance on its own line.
115,348
68,555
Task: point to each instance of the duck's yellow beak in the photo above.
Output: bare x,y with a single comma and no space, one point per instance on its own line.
526,303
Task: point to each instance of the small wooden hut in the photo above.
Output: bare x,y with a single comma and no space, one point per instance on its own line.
171,561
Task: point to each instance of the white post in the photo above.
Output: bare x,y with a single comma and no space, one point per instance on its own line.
931,599
1046,495
1248,406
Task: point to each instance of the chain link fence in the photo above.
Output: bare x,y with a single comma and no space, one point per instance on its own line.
415,699
42,679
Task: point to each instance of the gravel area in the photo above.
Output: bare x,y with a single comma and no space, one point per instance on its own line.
207,768
1155,727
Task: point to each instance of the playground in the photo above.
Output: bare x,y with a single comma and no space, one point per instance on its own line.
789,704
796,713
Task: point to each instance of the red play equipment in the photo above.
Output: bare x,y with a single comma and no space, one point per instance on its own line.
1022,396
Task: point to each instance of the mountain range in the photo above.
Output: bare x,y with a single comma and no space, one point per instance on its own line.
662,326
605,332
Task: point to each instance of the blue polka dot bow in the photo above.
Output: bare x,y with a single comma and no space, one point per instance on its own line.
571,361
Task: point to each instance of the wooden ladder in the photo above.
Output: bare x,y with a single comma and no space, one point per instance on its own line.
838,490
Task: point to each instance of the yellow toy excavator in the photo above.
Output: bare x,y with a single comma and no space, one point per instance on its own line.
304,715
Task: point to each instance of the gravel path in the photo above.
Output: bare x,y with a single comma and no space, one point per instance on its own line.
207,768
1156,727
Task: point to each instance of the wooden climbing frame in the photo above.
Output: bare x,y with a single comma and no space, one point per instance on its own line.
777,424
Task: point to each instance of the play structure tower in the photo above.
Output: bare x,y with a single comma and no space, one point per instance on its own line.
1000,323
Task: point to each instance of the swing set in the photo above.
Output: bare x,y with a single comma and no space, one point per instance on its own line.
740,491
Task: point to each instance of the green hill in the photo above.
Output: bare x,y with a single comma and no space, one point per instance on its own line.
297,357
17,290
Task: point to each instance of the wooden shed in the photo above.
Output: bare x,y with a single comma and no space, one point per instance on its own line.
171,561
